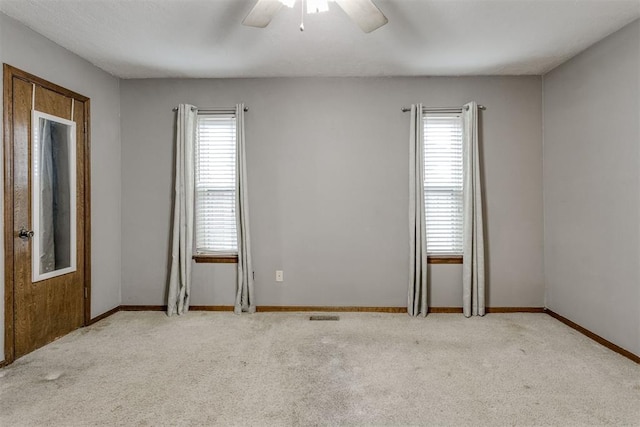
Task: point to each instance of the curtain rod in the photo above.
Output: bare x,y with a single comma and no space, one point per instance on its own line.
406,109
216,110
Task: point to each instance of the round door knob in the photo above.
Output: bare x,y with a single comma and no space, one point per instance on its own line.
25,234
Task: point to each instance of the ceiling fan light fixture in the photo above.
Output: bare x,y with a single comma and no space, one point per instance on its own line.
364,13
313,6
317,6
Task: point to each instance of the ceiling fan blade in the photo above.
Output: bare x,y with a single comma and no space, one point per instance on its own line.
262,13
364,13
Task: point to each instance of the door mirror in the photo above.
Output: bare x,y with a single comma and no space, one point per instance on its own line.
53,181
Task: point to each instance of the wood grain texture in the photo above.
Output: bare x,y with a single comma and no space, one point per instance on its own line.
143,308
270,308
53,307
354,309
438,310
21,256
216,259
8,213
164,308
18,73
305,308
595,337
436,259
489,310
515,309
211,307
37,313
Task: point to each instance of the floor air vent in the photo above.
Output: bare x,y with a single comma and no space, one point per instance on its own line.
324,317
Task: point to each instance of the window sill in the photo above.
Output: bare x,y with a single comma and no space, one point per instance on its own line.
444,259
215,259
233,259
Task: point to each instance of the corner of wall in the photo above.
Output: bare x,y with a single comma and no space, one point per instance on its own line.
544,230
119,83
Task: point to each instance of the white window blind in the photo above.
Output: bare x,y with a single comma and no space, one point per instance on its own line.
216,185
443,183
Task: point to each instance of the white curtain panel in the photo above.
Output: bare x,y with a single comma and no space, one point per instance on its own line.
244,292
183,211
417,301
473,237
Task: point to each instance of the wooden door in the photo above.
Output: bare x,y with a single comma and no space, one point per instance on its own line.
48,298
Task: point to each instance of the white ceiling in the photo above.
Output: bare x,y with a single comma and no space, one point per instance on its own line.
204,38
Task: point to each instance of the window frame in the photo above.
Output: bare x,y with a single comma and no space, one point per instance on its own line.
210,257
442,258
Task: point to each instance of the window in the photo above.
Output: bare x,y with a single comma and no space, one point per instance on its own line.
215,189
443,183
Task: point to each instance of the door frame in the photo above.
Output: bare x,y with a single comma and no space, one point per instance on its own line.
10,73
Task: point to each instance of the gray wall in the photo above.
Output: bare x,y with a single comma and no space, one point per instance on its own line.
592,188
328,188
29,51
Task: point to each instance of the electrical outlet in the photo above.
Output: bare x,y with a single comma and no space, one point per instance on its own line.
279,276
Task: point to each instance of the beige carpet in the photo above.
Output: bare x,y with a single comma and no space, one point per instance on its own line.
145,369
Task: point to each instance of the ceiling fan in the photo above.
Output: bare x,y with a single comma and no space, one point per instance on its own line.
363,12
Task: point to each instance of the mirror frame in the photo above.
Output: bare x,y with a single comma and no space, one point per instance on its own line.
35,196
